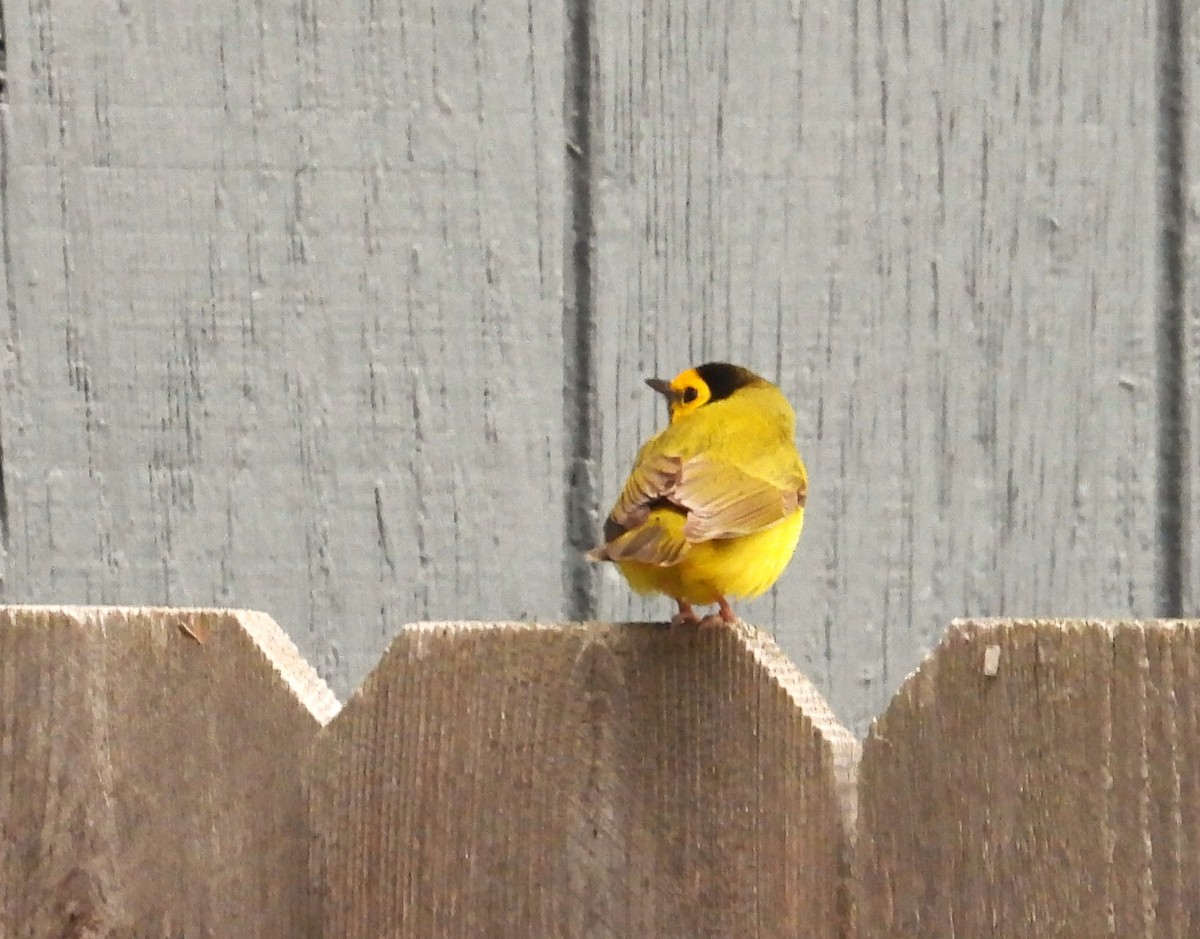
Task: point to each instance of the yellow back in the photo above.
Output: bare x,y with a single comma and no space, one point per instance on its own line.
754,429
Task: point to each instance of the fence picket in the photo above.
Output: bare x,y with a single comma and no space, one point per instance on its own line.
1055,797
517,780
148,773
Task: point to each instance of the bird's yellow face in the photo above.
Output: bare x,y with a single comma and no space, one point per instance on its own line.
715,381
686,392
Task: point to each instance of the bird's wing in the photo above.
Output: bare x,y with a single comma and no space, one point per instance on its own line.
721,501
725,501
659,541
650,483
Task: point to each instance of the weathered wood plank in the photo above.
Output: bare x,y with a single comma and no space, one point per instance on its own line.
1057,796
150,778
519,780
284,311
936,225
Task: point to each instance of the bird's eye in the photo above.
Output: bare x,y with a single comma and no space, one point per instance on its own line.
689,395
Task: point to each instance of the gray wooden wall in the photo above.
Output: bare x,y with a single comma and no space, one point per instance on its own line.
341,310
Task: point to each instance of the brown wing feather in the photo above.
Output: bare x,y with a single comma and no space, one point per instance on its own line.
626,535
649,543
725,502
652,480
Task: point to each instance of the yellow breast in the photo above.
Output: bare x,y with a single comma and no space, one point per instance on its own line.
743,567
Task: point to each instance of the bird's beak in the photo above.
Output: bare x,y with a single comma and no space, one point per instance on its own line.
662,387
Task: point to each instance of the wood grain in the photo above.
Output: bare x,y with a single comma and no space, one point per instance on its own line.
936,226
284,312
149,780
521,780
1058,797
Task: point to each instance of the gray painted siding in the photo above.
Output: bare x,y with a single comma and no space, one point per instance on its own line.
937,231
285,313
1184,235
285,322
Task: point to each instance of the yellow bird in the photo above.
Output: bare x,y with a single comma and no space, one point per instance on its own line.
715,502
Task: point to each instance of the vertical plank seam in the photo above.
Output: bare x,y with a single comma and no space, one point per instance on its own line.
3,59
1170,331
579,360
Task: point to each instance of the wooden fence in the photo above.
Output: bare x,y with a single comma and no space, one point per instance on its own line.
168,772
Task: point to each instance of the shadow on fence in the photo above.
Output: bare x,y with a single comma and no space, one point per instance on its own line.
184,772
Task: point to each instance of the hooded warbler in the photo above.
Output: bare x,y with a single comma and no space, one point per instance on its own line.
714,504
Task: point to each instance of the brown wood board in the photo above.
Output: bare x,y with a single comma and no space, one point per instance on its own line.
586,780
1037,779
150,778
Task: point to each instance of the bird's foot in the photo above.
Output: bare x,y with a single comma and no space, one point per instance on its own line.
686,615
723,617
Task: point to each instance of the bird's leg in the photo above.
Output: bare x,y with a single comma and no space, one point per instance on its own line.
685,615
